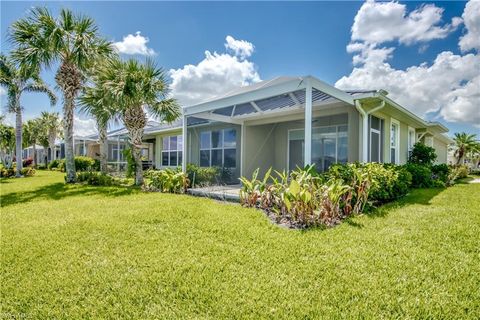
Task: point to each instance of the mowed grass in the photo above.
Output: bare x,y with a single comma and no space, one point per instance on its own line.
100,252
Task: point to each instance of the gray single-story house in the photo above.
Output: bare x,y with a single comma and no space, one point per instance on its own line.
288,122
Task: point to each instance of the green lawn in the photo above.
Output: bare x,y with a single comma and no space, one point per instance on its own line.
98,252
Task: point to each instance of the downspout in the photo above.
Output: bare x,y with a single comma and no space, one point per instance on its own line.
365,115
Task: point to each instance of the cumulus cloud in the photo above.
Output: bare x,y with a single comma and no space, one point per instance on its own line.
216,74
378,22
240,48
471,17
134,44
448,85
84,126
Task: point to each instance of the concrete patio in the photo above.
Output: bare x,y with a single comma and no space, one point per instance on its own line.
224,193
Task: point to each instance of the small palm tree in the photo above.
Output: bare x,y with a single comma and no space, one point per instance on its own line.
93,101
52,126
7,140
464,143
17,79
72,41
131,88
32,131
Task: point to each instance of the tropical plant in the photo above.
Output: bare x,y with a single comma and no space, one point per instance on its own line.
167,180
464,143
72,41
52,125
18,78
32,132
131,88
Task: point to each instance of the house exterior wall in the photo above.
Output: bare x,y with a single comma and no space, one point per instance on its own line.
158,147
441,149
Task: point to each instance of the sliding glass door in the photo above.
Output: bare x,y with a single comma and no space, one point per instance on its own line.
329,146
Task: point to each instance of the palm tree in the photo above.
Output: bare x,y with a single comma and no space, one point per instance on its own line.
72,41
93,102
32,131
17,79
52,125
7,140
131,88
464,143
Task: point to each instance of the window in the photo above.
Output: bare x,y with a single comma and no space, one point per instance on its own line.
117,152
218,148
329,146
172,147
394,140
411,140
376,139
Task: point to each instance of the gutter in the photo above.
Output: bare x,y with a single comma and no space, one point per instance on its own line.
365,115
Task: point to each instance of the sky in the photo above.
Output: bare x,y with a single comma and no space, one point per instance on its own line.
425,54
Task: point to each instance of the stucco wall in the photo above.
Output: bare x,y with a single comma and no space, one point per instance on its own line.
441,149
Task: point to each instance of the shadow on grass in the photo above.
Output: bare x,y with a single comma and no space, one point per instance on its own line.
57,191
416,196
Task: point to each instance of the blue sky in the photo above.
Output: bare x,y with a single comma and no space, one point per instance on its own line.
286,38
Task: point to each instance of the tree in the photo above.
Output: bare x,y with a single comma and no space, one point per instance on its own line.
17,79
7,140
32,131
464,143
51,125
72,41
93,101
422,154
131,88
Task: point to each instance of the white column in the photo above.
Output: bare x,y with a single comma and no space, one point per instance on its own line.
84,148
118,153
184,147
242,148
308,123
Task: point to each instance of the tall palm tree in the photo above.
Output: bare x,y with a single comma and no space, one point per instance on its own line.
52,125
72,41
32,130
17,79
93,101
464,143
131,88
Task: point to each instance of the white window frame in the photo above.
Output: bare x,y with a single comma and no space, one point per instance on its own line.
116,147
396,147
318,127
411,143
222,148
178,151
381,158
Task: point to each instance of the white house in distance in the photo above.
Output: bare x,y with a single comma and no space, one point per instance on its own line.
292,121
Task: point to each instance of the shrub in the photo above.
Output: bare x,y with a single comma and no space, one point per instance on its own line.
27,162
421,175
131,164
54,164
27,172
422,154
96,178
86,164
7,172
201,176
441,172
42,166
167,180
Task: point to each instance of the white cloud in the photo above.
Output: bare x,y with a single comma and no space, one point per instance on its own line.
378,22
449,85
240,48
471,17
134,44
84,127
216,74
464,104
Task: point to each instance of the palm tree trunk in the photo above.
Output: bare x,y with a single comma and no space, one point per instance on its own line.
51,143
18,140
68,133
102,137
136,139
460,156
